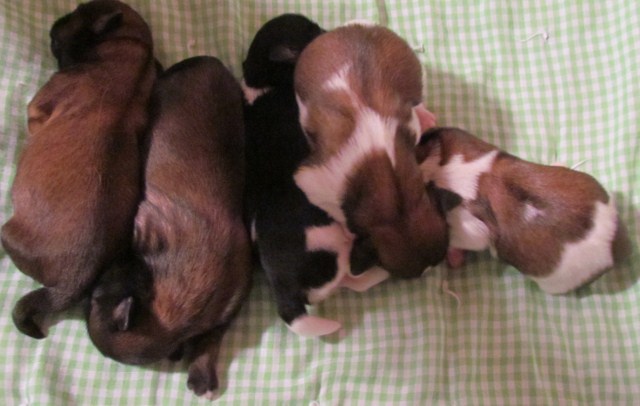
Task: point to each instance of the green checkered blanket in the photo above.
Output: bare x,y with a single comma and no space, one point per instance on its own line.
548,81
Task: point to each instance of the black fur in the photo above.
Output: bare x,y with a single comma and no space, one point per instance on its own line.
276,145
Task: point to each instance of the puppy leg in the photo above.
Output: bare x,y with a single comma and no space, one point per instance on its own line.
455,258
313,326
203,379
38,304
291,308
291,303
366,280
426,118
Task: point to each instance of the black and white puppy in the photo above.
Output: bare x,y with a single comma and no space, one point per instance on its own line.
303,251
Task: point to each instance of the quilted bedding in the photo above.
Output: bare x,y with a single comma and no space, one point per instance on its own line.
548,81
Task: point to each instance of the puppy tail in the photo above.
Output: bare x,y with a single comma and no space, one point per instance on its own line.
37,304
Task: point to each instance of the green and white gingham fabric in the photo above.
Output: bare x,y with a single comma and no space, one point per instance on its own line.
550,81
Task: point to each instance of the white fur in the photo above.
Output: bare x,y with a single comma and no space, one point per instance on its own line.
313,326
467,231
360,21
366,280
585,259
254,233
333,239
325,184
462,177
303,112
338,81
531,212
251,93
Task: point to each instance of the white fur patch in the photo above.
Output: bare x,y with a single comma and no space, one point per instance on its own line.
209,395
360,21
303,112
531,212
254,233
467,231
462,177
366,280
313,326
333,239
251,93
325,184
338,81
583,260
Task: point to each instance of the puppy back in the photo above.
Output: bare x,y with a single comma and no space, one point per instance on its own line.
198,132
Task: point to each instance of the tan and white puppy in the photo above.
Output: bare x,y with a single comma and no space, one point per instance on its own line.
78,179
556,225
359,92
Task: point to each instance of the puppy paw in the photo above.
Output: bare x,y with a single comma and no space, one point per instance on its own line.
313,326
455,258
24,316
202,381
426,118
366,280
209,395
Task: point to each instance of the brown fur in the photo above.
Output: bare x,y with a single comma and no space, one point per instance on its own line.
383,204
192,267
565,196
386,76
77,182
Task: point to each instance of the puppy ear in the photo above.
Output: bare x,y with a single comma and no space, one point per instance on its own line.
107,22
282,53
429,144
122,313
444,199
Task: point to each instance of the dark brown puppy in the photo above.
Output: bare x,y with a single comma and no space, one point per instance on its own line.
78,180
192,262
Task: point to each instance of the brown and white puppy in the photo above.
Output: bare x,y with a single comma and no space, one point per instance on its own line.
190,270
78,180
359,91
556,225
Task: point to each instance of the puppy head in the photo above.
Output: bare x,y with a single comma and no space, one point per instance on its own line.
275,49
121,323
423,230
389,207
75,36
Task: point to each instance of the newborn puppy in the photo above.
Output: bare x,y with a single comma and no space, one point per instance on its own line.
556,225
359,91
303,251
78,181
190,270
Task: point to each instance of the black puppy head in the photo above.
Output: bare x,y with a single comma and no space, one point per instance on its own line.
74,36
275,49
